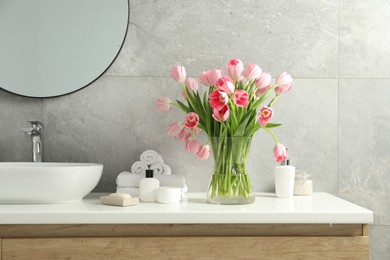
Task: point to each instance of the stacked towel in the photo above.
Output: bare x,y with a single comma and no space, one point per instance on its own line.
160,168
127,182
151,160
139,168
149,157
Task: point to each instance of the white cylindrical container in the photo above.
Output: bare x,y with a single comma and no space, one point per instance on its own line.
284,181
148,187
303,183
168,195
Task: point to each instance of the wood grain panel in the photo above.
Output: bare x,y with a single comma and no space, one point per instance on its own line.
187,248
126,230
365,230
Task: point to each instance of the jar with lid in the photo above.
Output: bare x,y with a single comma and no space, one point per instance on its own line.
303,183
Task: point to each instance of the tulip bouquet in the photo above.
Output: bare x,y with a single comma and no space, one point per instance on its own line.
229,112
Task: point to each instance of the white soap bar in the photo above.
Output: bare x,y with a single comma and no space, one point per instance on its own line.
119,199
168,195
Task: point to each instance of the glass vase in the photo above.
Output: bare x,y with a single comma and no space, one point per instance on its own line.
230,182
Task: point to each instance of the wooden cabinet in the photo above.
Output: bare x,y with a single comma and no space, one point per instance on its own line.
182,241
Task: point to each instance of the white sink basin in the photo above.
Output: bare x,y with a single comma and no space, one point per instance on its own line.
24,182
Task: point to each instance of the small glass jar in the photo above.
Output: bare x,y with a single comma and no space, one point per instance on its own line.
303,183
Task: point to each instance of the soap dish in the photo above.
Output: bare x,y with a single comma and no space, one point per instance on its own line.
119,199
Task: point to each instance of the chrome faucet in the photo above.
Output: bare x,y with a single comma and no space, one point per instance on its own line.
36,137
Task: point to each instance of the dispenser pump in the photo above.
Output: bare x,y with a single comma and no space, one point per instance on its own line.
287,161
149,173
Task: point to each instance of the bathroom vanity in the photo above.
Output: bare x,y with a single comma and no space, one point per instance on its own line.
320,226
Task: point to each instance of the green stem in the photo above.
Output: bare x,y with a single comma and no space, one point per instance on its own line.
176,105
272,133
273,101
230,178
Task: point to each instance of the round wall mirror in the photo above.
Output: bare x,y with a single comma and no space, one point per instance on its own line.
54,47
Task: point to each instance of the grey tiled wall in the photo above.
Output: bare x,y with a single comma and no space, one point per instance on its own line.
336,119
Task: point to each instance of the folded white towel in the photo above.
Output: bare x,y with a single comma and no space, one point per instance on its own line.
149,157
160,168
134,192
128,179
171,180
139,168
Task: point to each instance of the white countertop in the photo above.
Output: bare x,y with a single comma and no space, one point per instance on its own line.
317,208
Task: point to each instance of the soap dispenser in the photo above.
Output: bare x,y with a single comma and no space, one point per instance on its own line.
148,187
284,180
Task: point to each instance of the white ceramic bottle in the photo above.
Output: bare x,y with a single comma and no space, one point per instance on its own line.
284,180
148,187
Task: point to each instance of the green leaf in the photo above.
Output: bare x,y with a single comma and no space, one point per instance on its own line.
262,98
205,99
251,123
254,129
199,103
224,131
250,87
272,125
183,107
241,128
201,127
194,104
233,120
208,115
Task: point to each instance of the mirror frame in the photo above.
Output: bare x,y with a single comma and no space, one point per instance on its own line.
107,67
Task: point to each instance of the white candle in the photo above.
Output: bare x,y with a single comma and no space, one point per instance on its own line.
303,183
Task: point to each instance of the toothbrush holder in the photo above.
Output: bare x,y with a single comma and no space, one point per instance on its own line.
284,181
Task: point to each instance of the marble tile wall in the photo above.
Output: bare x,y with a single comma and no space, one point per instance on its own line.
336,119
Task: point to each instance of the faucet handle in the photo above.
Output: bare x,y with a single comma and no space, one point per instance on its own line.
36,124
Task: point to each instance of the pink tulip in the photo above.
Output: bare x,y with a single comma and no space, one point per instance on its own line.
203,152
235,68
202,77
280,153
192,145
191,85
184,134
240,98
225,84
179,73
175,129
222,114
263,84
163,104
265,114
252,72
213,76
218,99
192,120
210,77
283,82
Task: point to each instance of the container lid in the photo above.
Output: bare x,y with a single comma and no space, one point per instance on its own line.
301,174
149,173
